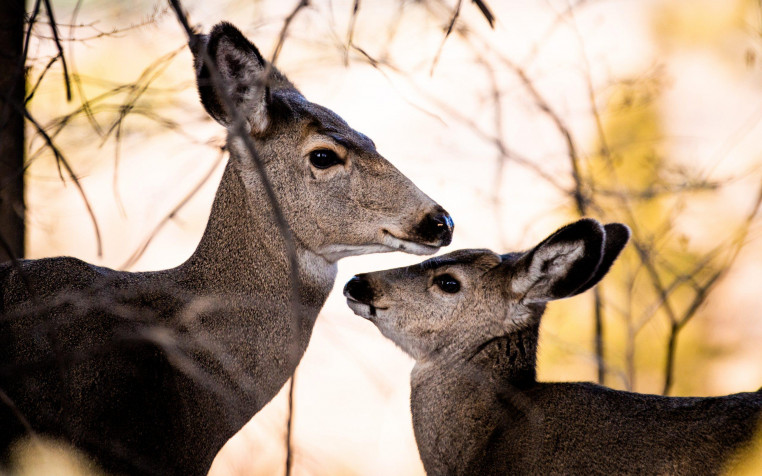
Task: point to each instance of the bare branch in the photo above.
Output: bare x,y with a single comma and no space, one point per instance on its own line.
290,426
39,78
455,14
488,15
54,29
351,30
239,129
284,32
135,256
61,160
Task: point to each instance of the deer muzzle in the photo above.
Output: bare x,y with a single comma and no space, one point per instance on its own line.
360,296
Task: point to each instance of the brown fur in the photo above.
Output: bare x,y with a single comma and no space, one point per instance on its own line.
477,406
150,373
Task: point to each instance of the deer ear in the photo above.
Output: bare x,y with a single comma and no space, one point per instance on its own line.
240,67
615,238
560,264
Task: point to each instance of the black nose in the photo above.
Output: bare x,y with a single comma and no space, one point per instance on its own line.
436,227
359,289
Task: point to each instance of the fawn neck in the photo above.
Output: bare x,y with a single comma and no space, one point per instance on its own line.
451,398
510,358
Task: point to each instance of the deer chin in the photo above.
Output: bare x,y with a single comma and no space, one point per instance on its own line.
389,243
399,244
366,311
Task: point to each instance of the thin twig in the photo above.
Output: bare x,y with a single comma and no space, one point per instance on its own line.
39,78
455,14
138,253
703,292
290,427
284,31
486,12
54,29
29,28
61,160
238,128
351,30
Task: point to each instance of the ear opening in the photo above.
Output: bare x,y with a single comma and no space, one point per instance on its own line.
560,264
240,67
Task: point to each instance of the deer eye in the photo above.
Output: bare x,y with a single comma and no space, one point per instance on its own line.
447,283
324,158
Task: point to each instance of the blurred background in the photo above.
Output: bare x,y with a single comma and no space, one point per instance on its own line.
517,116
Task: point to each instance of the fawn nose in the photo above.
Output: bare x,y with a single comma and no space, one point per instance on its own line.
359,289
436,227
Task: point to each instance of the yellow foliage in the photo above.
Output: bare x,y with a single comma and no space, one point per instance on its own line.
749,460
701,22
42,457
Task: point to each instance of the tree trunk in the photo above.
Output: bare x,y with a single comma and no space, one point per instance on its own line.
12,90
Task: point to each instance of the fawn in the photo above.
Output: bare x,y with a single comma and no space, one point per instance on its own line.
471,319
152,372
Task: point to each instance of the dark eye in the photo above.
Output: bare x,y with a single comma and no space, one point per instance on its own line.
324,158
447,283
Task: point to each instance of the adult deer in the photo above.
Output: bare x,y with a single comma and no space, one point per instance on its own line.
152,372
471,320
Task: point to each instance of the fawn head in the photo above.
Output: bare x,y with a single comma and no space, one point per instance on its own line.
455,302
338,194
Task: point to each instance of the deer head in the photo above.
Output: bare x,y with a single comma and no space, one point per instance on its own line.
455,302
338,194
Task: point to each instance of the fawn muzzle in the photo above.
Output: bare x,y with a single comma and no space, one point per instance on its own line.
360,295
359,289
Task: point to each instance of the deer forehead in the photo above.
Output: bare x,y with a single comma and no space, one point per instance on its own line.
469,259
318,122
470,265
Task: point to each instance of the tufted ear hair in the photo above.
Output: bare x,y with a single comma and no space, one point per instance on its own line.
241,69
568,262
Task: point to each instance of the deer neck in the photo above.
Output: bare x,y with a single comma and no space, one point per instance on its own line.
457,401
243,250
511,358
505,360
240,271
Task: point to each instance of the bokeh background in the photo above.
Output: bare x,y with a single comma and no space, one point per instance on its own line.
645,112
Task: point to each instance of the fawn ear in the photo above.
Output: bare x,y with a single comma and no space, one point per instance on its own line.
568,262
561,264
240,67
616,237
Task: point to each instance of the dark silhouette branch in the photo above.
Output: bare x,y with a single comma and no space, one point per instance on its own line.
54,29
240,130
61,161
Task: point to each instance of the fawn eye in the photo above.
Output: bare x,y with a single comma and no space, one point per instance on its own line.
447,283
324,158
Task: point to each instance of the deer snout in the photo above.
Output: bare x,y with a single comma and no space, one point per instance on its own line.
359,289
436,227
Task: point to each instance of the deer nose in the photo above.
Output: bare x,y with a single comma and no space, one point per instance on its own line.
359,289
437,227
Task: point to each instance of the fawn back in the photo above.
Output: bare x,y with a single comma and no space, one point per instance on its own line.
471,320
151,372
